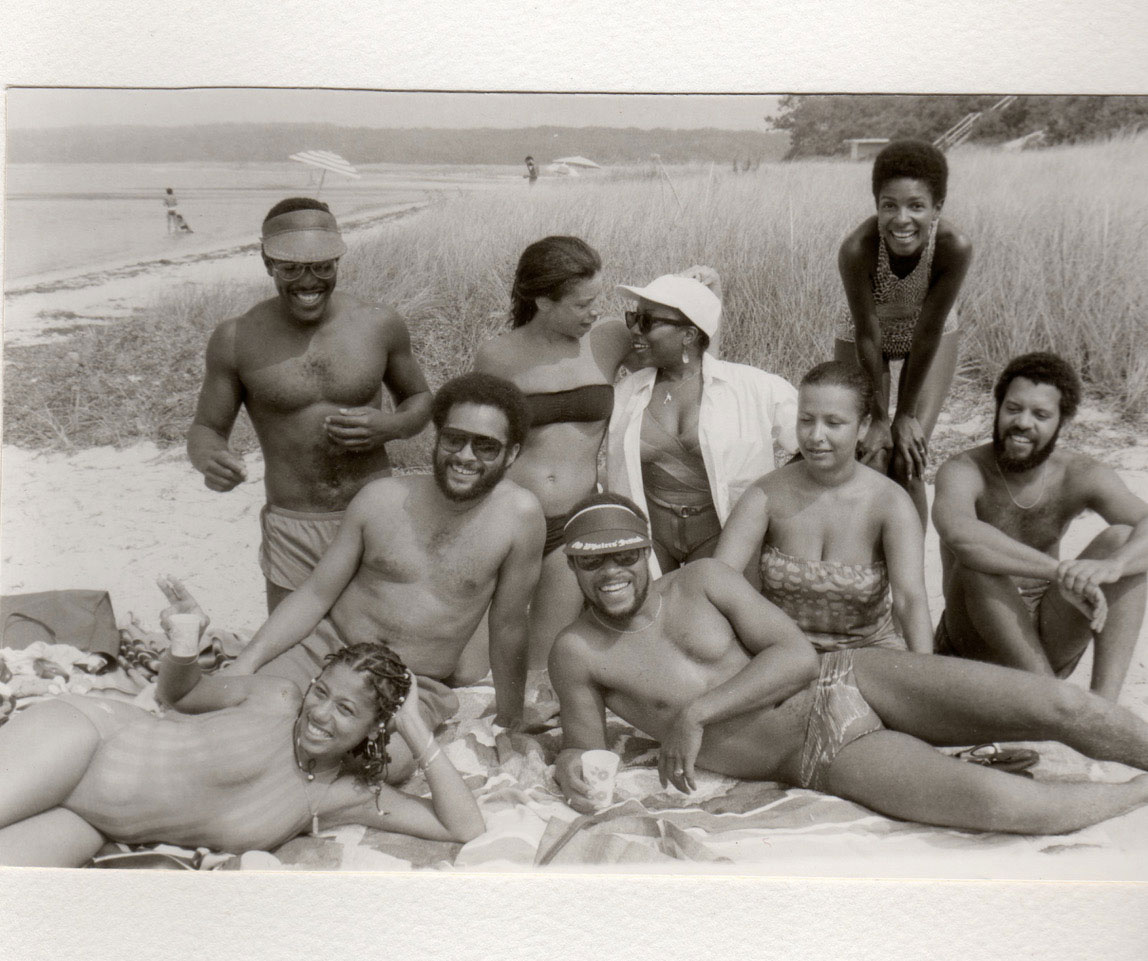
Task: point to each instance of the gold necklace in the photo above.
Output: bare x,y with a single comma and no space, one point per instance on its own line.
632,630
308,773
1039,497
676,384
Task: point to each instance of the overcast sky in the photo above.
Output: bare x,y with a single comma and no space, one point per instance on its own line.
64,107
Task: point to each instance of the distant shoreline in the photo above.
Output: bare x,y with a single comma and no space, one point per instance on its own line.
50,307
94,274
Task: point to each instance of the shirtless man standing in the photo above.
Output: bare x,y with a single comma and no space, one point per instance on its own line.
701,661
1001,511
310,365
419,559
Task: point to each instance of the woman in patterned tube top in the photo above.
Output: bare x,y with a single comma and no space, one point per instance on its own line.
565,360
902,270
234,763
838,546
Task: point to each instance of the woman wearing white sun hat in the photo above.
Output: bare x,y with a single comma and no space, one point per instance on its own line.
689,433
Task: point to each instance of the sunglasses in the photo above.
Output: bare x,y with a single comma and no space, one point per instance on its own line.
288,272
591,562
487,449
643,321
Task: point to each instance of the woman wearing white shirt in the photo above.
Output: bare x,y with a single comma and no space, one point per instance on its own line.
689,433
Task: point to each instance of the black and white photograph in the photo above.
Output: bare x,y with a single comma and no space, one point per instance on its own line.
555,482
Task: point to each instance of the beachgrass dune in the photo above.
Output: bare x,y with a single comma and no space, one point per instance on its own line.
1061,263
98,492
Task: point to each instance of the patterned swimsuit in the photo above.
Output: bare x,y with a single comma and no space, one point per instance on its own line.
898,301
838,606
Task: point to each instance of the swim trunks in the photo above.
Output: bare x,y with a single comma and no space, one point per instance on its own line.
838,606
1032,594
897,301
839,716
303,662
293,542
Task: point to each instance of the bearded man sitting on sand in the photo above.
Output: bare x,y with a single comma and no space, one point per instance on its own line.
704,663
418,561
310,365
1001,510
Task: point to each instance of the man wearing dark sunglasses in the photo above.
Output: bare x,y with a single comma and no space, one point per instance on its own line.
420,559
310,365
702,662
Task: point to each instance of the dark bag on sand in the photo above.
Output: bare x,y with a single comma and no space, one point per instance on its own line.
83,619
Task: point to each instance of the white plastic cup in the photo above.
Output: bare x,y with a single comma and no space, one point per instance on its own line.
184,634
599,768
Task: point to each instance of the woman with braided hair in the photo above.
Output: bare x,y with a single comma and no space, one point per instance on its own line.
235,762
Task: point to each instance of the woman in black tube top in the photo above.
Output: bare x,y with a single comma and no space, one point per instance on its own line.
565,362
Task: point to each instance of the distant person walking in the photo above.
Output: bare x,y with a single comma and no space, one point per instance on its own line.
531,171
902,270
175,222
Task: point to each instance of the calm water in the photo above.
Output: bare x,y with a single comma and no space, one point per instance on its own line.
73,216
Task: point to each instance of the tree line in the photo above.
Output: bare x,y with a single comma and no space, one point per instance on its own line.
819,125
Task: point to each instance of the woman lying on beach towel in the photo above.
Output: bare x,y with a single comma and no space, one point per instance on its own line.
830,535
235,763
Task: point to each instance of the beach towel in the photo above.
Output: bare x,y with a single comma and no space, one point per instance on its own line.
725,825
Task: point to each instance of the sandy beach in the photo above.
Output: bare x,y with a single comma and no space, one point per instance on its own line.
43,307
117,518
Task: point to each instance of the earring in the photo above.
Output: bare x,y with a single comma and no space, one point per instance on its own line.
685,355
374,752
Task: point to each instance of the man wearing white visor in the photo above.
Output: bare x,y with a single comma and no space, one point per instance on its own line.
689,432
310,365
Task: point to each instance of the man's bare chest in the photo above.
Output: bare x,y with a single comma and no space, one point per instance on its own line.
1040,526
338,374
456,560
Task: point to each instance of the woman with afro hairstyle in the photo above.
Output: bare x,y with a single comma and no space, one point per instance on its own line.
902,270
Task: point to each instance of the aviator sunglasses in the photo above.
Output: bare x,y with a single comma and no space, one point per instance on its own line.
591,562
643,321
287,271
487,449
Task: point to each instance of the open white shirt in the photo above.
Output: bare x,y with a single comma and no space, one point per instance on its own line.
744,411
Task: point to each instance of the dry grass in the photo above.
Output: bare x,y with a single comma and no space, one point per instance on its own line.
1060,241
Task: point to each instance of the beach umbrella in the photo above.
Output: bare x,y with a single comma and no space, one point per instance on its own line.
325,160
578,162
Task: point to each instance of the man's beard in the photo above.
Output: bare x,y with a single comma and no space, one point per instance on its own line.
640,595
483,485
1015,465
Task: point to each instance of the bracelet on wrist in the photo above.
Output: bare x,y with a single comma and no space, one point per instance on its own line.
423,763
421,758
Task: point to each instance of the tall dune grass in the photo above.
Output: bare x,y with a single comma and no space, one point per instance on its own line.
1060,239
1060,263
